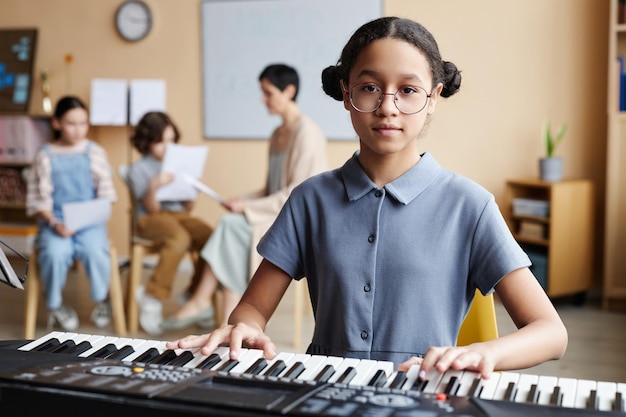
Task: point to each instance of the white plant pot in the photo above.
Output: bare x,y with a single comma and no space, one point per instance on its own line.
551,169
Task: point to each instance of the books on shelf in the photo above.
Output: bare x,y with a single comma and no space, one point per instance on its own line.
621,83
532,230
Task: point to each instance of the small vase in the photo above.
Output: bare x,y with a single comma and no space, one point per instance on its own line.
551,169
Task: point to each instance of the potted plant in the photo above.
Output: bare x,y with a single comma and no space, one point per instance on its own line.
550,166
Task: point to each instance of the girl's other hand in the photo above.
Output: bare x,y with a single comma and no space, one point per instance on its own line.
61,230
162,179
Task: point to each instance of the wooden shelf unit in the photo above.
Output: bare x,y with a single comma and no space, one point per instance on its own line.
614,283
567,244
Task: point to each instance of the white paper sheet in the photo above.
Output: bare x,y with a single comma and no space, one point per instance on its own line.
109,102
204,188
146,95
182,161
82,214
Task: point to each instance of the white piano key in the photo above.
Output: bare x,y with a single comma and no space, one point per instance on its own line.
315,364
489,386
364,372
411,376
505,379
445,380
96,344
432,381
568,389
583,390
546,385
221,351
345,364
60,336
298,357
282,356
466,382
246,359
140,348
621,388
606,395
524,384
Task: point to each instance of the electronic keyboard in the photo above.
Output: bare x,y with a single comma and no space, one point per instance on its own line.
72,373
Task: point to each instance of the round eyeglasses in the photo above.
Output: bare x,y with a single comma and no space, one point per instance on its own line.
368,97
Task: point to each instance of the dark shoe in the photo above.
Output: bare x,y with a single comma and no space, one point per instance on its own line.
172,323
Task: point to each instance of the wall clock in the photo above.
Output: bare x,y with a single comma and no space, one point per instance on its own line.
133,20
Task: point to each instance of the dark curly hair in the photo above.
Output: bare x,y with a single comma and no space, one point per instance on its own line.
150,130
444,72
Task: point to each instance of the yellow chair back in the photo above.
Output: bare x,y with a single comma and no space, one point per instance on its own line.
480,323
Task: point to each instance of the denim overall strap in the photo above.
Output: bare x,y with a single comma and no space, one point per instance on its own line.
72,180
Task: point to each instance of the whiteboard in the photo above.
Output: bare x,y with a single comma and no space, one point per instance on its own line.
241,37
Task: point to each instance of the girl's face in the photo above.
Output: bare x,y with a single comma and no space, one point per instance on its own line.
274,99
392,65
73,126
157,149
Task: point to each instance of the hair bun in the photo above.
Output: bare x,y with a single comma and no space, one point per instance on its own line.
452,79
330,82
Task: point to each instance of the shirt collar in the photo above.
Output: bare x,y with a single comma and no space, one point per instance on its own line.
404,189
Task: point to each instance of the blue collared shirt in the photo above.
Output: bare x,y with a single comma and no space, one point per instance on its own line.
391,270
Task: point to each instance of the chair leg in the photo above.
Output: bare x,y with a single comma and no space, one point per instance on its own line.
33,289
116,297
134,280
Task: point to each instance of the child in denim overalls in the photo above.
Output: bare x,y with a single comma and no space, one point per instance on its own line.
70,169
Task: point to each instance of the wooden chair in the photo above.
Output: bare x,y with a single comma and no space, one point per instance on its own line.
34,290
139,249
480,323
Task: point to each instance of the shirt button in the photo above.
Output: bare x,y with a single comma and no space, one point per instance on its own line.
371,238
378,193
367,288
363,335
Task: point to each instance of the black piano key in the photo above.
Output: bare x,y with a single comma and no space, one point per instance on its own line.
227,366
476,388
210,361
147,355
82,347
452,386
295,370
511,392
533,394
182,359
276,368
398,381
164,358
557,396
419,385
256,367
618,404
121,353
104,352
64,347
378,380
46,345
325,374
347,376
593,401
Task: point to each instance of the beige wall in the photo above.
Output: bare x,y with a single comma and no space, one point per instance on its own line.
522,63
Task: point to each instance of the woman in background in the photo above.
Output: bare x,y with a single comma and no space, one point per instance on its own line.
297,151
70,169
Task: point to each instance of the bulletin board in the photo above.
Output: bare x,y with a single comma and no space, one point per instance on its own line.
241,37
17,56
